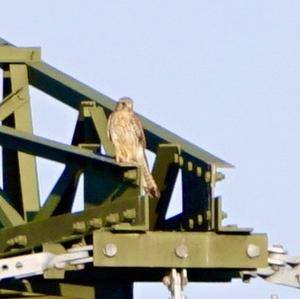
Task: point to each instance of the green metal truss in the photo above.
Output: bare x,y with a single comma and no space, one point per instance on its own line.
114,211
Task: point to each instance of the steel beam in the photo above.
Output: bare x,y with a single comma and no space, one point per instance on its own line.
180,250
9,54
23,122
100,122
12,102
19,169
52,150
8,215
72,93
68,227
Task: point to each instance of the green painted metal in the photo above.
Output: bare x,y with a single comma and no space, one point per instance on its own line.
61,198
11,103
9,217
52,150
100,122
19,169
165,172
67,227
179,250
10,54
115,211
73,92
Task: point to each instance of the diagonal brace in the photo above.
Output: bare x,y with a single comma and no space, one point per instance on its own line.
12,102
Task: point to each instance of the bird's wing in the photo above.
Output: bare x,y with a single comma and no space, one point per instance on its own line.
139,131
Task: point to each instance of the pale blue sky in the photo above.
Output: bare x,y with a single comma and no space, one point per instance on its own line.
222,74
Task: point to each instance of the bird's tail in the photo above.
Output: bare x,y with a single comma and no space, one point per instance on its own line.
147,181
149,184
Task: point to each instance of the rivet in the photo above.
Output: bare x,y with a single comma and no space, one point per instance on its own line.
95,223
189,166
130,174
178,159
79,227
112,218
208,215
129,214
191,223
198,171
110,250
182,251
199,219
253,251
207,176
20,240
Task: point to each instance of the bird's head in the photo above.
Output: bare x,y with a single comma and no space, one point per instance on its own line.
125,104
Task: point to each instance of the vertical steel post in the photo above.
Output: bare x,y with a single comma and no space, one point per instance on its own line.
19,169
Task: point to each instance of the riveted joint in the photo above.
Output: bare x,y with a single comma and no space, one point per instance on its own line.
199,219
129,214
181,251
207,176
189,166
18,241
253,251
198,171
79,227
110,250
178,160
191,223
95,223
208,215
112,218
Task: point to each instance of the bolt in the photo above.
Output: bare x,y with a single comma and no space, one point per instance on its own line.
253,251
129,214
198,171
79,227
20,240
208,215
182,251
207,176
95,223
189,166
191,223
178,159
113,218
199,219
110,250
130,174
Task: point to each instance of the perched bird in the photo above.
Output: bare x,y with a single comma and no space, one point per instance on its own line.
126,132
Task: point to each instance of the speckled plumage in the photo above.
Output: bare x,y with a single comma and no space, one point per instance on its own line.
126,132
